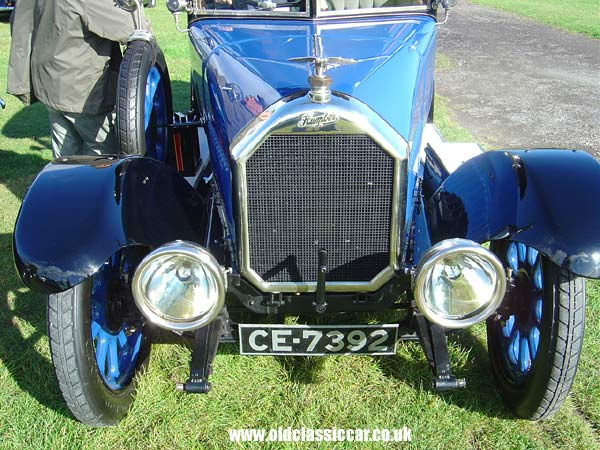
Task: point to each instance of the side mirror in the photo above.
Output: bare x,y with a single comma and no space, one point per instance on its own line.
128,5
177,6
443,4
132,6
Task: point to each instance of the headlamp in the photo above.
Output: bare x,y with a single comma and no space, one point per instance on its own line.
459,283
179,286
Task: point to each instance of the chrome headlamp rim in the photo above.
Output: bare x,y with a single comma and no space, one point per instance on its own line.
450,247
191,250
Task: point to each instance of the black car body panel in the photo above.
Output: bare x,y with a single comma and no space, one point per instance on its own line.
79,212
536,197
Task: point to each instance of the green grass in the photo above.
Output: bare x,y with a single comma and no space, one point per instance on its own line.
581,16
354,392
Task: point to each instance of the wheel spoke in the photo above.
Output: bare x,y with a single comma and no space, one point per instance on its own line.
522,252
513,347
101,350
512,257
151,86
509,326
96,329
136,345
534,341
524,356
538,310
532,256
113,359
122,338
537,275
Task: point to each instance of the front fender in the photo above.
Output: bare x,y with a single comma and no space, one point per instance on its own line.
79,211
546,199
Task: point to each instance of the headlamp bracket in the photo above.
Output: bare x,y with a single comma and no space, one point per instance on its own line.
435,346
204,350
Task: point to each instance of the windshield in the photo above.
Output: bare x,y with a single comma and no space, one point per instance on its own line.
302,7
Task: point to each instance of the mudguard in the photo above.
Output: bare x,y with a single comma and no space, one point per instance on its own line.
78,212
546,199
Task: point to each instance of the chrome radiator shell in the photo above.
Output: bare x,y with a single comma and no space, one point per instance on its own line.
343,119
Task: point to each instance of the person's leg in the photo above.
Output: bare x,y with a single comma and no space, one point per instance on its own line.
64,136
98,133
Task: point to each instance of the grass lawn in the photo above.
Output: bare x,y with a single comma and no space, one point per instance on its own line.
581,16
254,392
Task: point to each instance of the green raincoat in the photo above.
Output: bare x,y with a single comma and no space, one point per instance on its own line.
66,53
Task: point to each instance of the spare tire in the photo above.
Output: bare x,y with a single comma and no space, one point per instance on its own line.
144,106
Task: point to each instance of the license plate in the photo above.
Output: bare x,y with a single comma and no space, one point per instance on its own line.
315,340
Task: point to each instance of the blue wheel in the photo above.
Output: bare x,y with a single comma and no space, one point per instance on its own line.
98,342
535,339
144,102
116,328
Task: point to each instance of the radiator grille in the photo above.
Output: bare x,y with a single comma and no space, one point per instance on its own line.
308,192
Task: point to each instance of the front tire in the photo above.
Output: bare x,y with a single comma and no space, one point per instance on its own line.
144,104
534,348
96,353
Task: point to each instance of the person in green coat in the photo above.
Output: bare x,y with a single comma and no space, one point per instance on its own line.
66,54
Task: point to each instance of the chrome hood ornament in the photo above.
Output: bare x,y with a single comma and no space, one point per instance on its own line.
320,82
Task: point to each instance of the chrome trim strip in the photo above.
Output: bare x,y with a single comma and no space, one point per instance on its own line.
286,117
374,11
351,13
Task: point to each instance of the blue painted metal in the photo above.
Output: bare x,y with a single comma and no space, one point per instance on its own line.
419,232
155,112
246,60
152,82
239,68
134,201
536,197
222,170
116,345
520,334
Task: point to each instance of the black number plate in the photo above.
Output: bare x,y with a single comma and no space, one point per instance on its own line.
314,340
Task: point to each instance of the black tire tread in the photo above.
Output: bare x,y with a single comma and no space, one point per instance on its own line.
127,98
72,352
62,348
138,59
541,393
571,318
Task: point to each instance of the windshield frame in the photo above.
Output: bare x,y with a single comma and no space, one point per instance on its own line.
312,12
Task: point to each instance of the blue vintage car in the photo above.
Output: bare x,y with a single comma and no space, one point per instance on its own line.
307,179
